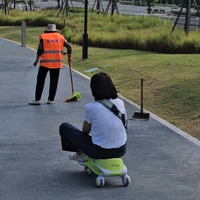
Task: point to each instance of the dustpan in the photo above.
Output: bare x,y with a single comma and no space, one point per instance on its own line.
75,96
140,114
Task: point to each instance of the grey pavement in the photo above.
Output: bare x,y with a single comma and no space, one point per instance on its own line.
163,161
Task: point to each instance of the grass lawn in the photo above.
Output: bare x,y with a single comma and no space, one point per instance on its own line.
171,82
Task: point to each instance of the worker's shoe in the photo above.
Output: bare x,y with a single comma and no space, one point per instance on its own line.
35,102
49,102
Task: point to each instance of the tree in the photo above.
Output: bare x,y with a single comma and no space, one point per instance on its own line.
186,4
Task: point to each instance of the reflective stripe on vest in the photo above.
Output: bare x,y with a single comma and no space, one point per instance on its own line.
53,50
48,61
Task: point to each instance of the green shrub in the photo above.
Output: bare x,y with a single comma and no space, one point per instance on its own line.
118,31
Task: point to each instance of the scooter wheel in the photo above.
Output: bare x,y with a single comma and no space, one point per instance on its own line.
100,181
126,180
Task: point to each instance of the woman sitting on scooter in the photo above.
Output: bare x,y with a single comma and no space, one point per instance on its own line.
103,134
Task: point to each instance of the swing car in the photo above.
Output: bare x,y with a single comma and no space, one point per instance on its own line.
106,168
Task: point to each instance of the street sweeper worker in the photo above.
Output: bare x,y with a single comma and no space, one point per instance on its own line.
103,135
50,55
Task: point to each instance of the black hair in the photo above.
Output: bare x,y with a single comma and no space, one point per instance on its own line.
102,87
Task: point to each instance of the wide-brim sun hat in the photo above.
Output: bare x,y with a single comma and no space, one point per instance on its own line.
51,28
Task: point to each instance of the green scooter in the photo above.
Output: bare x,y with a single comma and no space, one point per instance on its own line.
106,168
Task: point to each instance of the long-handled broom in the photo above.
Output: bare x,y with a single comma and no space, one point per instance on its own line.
75,95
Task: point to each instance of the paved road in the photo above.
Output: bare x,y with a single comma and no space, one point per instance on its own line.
163,162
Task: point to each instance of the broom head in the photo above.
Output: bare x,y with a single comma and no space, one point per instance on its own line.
74,97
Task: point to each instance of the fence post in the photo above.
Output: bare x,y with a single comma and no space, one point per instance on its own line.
23,34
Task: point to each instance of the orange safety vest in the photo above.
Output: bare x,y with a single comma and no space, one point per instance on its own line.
53,50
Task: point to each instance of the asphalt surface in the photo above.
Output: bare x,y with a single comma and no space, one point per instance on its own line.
163,161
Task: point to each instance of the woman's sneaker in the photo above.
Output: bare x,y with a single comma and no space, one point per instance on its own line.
82,157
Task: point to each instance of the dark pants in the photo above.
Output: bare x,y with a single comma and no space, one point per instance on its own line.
75,140
54,76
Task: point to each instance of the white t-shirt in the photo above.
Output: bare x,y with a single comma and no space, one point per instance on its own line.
106,128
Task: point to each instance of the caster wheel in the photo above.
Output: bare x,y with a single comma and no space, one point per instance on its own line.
100,181
126,180
89,171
